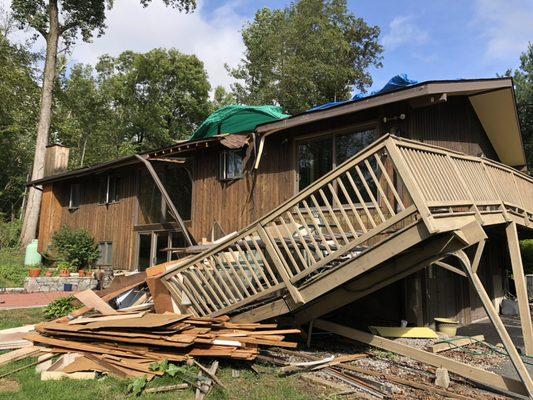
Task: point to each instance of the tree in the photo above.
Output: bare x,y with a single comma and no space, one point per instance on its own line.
312,52
523,80
19,98
221,98
55,19
158,97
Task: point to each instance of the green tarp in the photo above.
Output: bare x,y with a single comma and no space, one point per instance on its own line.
237,119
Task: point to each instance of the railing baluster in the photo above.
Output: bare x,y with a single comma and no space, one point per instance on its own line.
309,232
317,228
223,283
243,271
352,206
302,239
265,261
200,274
287,250
324,220
243,291
378,186
389,181
294,245
333,216
369,192
362,202
341,208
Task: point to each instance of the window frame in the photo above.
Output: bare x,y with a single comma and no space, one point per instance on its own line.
108,254
223,165
71,205
109,178
332,133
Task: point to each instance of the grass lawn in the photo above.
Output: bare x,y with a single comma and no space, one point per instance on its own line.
12,270
264,385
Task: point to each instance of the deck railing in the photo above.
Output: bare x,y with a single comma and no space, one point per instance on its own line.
341,215
450,182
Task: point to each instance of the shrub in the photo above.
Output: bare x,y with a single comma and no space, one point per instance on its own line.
75,246
9,233
12,270
59,307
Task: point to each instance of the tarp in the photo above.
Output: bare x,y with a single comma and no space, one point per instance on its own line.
237,119
396,82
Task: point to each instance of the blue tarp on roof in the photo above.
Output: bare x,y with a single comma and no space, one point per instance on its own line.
396,82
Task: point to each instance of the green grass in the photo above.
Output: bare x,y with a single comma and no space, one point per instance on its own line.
12,270
262,385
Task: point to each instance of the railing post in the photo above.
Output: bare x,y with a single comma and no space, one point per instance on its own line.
280,266
412,186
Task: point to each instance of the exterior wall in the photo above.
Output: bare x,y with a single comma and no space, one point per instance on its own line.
107,223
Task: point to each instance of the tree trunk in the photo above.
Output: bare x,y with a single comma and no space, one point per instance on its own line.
33,204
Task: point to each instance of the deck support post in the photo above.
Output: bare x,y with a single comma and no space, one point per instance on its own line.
521,286
167,198
496,321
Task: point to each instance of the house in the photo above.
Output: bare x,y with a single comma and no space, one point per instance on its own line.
287,221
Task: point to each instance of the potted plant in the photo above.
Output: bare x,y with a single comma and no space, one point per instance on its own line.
63,268
48,273
81,273
34,271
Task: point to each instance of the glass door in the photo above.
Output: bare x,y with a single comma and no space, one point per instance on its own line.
155,247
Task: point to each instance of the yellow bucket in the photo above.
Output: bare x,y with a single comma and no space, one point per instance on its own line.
446,326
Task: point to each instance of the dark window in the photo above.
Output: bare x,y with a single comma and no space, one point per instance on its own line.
231,165
179,187
314,160
108,189
318,156
74,196
106,253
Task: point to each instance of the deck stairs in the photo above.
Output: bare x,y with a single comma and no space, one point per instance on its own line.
393,208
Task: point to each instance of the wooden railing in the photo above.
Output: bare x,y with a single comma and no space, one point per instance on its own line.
451,182
341,215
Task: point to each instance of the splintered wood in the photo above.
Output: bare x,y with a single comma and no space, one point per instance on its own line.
127,345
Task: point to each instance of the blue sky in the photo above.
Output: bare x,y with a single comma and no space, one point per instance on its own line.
432,39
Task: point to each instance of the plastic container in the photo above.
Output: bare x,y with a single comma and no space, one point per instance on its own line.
32,256
446,326
67,287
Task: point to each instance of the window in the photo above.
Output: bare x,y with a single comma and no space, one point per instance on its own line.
106,253
231,165
108,189
318,156
74,196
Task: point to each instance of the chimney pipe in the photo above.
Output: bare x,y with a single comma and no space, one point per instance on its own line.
56,159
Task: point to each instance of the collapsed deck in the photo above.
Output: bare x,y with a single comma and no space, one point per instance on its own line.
390,210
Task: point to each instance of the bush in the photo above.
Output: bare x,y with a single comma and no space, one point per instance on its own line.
9,233
75,246
526,248
12,270
59,307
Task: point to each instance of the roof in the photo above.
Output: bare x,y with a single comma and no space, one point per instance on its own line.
237,119
493,100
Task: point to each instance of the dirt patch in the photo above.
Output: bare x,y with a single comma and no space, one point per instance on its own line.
9,385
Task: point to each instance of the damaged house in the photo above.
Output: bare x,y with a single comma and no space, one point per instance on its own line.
405,204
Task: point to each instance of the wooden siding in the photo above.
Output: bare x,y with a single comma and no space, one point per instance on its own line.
50,216
107,223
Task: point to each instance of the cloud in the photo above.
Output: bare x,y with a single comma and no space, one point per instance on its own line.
505,25
213,35
403,30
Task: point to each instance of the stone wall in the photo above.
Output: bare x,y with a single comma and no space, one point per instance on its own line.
57,283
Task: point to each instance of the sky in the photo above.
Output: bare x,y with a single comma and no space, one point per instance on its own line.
427,40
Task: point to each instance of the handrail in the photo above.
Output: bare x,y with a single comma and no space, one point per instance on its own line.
340,216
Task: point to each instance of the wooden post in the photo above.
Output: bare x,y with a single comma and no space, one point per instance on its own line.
166,197
497,322
521,286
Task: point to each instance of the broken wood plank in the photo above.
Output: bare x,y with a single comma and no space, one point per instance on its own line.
476,374
92,300
168,388
455,342
19,354
58,375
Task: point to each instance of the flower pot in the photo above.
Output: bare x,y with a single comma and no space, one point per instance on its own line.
64,274
81,273
48,274
34,272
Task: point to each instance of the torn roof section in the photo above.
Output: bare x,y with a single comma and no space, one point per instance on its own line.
492,99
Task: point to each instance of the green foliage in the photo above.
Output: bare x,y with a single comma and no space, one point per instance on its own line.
59,307
12,270
9,232
136,387
317,46
19,99
131,103
526,250
75,246
523,80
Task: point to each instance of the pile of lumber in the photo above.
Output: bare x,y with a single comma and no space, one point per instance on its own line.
125,344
